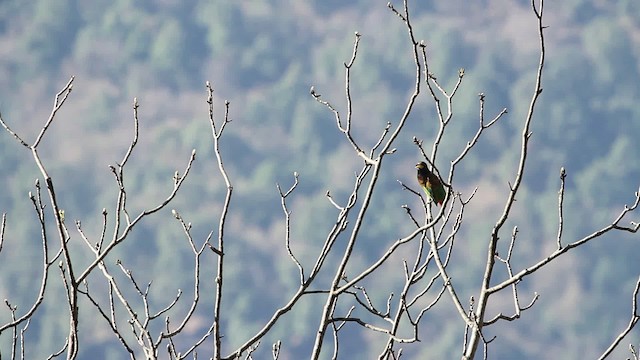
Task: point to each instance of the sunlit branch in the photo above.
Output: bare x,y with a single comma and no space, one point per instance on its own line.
635,316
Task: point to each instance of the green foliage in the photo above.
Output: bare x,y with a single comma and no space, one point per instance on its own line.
608,172
263,57
223,22
600,40
49,37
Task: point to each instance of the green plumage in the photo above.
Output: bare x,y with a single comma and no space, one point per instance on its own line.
430,183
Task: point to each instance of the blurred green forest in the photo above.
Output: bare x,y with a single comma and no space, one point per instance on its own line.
263,57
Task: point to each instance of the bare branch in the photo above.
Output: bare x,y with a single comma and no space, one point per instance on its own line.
563,176
374,328
471,143
287,227
12,133
61,97
216,133
635,316
46,263
118,238
495,235
2,227
110,319
596,234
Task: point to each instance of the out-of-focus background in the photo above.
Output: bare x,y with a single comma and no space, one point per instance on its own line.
263,57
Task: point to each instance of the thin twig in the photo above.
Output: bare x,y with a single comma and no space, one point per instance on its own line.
483,298
287,227
635,316
216,133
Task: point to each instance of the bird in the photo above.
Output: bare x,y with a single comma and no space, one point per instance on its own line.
430,183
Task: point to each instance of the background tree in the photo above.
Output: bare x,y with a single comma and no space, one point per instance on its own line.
342,259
